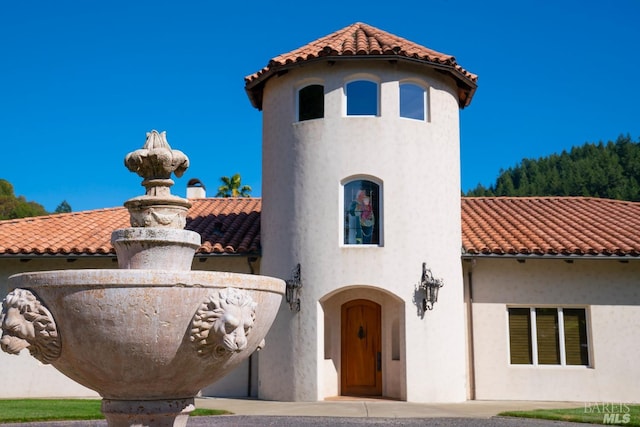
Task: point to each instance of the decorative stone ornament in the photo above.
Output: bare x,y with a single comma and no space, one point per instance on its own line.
26,323
155,162
223,322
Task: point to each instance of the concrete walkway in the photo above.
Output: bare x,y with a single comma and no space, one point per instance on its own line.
376,408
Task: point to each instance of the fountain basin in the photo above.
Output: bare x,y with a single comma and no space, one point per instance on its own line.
153,334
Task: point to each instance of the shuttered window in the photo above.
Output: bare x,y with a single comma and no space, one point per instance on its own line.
575,336
548,336
520,336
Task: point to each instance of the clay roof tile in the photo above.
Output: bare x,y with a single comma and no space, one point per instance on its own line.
569,226
500,226
362,40
219,222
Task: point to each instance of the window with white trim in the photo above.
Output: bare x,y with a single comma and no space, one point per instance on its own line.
311,102
413,101
361,212
362,98
548,336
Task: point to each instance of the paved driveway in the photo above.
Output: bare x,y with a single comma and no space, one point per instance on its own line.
291,421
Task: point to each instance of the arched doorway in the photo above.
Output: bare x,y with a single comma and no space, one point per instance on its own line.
361,358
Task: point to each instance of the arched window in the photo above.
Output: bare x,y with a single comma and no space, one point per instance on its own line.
311,102
413,101
361,213
362,98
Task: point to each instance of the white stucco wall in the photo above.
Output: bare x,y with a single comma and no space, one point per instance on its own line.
610,293
417,164
25,377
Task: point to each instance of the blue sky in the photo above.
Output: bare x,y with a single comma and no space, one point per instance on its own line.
81,82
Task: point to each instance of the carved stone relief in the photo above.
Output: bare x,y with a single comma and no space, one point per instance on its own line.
223,322
162,216
26,323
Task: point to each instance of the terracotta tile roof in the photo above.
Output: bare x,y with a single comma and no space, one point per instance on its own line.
557,226
227,226
503,226
361,40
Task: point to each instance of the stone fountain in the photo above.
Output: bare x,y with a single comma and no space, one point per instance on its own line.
151,334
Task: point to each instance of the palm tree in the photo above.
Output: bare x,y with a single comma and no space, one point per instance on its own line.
232,187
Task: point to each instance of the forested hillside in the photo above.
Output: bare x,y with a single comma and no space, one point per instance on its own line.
609,170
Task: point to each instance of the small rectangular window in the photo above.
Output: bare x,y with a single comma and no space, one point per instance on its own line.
362,98
311,102
412,101
548,336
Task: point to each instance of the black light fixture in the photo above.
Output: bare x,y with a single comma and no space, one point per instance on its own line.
431,286
292,289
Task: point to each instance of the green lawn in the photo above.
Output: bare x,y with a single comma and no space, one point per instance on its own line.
613,414
25,410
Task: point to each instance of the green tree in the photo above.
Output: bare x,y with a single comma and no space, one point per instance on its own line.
504,185
63,207
232,187
12,207
6,189
480,191
610,170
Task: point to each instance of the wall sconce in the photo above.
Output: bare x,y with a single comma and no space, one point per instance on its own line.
293,286
431,286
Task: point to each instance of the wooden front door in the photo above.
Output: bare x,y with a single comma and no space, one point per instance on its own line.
361,364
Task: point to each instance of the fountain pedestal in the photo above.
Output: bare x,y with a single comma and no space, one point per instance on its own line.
157,413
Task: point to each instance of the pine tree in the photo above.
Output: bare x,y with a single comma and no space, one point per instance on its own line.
610,170
63,207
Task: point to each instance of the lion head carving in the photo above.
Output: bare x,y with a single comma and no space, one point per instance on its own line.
26,323
223,322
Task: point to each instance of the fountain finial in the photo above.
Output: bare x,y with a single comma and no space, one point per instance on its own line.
155,162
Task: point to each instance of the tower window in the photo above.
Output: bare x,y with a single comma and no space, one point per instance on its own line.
362,98
311,102
413,101
361,213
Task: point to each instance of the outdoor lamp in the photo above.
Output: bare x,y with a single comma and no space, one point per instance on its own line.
292,289
431,286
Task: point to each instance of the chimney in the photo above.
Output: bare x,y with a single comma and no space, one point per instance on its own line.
196,189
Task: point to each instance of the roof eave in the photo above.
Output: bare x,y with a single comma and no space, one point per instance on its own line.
466,86
590,257
31,255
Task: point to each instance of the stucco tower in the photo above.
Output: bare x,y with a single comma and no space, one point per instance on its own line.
361,187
